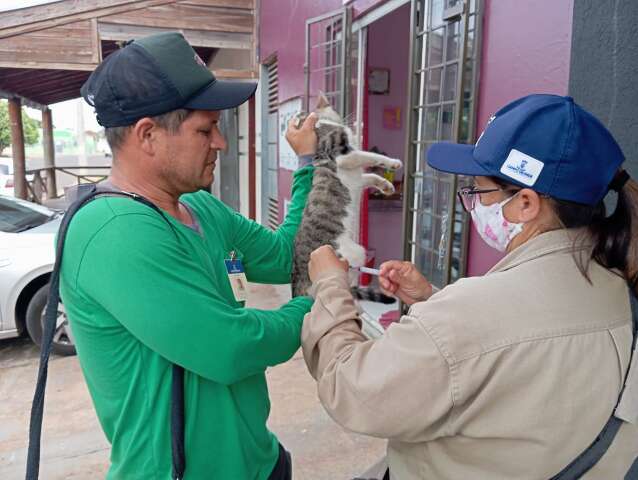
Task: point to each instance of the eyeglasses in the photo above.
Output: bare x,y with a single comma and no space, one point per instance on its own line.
469,195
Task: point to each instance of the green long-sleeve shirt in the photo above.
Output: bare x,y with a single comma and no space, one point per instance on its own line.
141,293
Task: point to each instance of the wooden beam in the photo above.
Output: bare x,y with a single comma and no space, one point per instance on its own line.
45,82
235,74
25,101
70,43
242,4
17,148
178,16
62,95
49,152
21,75
197,38
96,44
60,13
40,13
50,66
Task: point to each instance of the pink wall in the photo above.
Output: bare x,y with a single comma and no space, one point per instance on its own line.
388,45
282,25
526,49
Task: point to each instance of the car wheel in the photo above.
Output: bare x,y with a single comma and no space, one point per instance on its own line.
63,343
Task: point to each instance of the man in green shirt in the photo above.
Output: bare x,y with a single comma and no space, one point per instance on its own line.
144,291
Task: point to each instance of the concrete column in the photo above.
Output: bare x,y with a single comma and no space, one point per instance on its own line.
49,152
17,147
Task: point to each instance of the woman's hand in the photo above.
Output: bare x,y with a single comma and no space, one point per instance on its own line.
303,140
324,260
404,281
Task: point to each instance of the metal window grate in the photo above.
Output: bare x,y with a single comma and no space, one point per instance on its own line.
443,85
326,68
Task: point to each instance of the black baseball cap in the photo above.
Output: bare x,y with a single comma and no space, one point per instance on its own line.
155,75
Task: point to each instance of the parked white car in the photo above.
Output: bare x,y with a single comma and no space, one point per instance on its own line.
27,255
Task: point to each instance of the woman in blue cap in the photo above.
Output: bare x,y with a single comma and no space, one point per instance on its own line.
526,372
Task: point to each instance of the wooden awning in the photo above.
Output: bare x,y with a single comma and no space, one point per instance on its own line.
48,51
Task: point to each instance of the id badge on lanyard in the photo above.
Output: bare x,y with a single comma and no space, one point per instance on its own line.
237,277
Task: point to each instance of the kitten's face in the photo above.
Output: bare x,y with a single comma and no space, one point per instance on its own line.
330,121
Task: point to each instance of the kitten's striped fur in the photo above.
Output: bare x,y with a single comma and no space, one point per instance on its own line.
332,209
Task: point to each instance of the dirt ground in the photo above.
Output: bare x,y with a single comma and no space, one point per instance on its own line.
74,446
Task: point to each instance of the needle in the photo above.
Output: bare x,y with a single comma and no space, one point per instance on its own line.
371,271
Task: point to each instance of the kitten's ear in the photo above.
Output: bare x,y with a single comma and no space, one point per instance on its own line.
322,101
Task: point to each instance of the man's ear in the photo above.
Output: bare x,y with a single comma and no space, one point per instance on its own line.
528,205
144,134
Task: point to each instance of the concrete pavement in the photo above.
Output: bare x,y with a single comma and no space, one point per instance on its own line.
74,447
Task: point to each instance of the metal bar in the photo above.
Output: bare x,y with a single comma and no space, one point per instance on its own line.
325,16
306,68
345,60
438,65
323,44
410,167
442,103
457,132
329,68
478,31
478,34
376,14
361,59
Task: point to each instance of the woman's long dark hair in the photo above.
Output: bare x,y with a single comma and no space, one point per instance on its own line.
615,237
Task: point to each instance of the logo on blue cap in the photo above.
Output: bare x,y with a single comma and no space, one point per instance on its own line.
522,168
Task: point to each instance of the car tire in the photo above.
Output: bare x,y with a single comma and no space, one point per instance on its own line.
63,339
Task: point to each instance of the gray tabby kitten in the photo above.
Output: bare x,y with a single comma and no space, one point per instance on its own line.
331,216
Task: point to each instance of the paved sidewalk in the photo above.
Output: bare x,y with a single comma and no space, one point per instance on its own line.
74,447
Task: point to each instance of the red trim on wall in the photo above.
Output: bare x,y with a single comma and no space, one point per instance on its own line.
252,168
364,279
363,215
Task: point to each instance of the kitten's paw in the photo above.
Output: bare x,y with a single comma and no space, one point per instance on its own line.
395,164
387,188
354,253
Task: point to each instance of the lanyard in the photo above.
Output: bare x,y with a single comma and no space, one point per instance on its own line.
87,194
623,412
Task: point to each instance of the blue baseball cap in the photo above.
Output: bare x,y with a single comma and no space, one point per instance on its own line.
544,142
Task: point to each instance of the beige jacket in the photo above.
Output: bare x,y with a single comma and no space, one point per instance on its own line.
506,376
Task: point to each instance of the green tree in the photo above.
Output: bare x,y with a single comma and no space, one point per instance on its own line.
29,126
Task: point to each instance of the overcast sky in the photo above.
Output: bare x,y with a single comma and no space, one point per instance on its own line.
65,115
13,4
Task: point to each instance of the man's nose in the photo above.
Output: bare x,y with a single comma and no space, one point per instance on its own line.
218,141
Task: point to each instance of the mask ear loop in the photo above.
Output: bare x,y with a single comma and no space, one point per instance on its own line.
518,226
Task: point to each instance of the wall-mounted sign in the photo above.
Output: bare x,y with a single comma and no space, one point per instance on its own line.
287,110
379,81
392,118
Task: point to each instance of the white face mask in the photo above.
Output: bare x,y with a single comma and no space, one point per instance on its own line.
492,226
